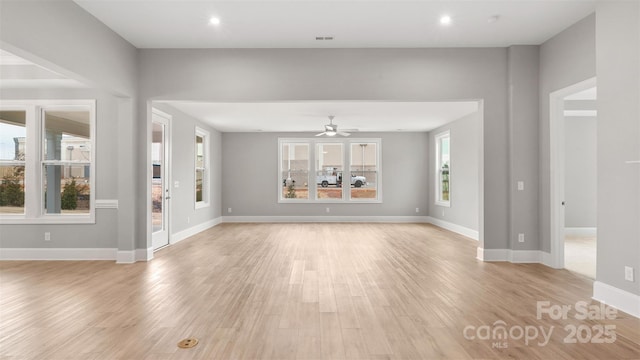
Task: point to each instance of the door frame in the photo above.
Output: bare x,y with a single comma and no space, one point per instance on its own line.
557,169
167,119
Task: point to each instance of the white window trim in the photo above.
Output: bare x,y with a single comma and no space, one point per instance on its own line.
205,183
437,141
346,195
34,212
311,157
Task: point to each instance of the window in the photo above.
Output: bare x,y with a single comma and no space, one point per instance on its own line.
364,170
13,135
443,169
329,169
202,168
336,165
294,171
47,161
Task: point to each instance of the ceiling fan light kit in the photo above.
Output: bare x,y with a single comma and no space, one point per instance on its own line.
331,129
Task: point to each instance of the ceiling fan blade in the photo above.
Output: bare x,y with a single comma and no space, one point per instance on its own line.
344,134
322,133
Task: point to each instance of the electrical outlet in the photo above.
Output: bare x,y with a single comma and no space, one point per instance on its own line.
176,184
521,237
229,210
47,236
328,210
417,210
628,273
442,212
520,185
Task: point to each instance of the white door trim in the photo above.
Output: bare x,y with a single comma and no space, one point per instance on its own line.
166,120
557,159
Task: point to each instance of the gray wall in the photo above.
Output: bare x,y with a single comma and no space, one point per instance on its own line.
61,36
183,129
250,177
464,180
566,59
350,74
580,171
523,70
618,56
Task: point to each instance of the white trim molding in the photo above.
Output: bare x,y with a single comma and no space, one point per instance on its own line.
144,254
470,233
106,203
514,256
58,254
323,219
76,254
181,235
126,257
617,298
580,231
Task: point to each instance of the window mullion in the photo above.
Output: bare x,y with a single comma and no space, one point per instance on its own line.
346,174
312,187
32,197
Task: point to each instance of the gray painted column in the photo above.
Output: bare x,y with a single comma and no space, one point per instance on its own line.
523,71
127,198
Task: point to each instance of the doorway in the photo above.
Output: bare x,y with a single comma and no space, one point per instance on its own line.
160,179
573,125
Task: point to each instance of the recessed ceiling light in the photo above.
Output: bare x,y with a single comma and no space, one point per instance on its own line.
214,21
445,20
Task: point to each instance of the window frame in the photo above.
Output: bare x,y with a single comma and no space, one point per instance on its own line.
206,193
34,212
346,153
310,156
438,165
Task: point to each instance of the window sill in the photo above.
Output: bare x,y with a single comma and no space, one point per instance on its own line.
304,201
443,203
63,219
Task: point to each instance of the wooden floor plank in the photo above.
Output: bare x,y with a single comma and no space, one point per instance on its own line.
303,291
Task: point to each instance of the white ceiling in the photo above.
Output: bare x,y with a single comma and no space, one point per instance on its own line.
312,116
353,24
295,24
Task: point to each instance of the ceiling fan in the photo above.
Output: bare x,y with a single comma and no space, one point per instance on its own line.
331,129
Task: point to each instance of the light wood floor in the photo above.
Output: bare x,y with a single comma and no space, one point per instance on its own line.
284,291
580,255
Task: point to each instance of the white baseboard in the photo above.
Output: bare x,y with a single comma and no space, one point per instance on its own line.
580,231
181,235
617,298
126,257
470,233
58,254
76,254
514,256
144,254
106,203
320,219
547,259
